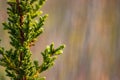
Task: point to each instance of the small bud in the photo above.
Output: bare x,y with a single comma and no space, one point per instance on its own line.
62,46
40,12
48,47
41,29
52,46
46,15
59,52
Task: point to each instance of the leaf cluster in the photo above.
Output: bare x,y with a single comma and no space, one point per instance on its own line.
25,24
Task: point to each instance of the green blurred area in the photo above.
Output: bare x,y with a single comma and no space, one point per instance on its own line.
91,31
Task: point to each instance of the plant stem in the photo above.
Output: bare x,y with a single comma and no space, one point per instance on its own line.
21,34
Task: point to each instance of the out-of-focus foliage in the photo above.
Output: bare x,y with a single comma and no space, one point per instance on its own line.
91,31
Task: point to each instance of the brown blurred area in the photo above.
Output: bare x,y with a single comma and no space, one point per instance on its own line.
90,29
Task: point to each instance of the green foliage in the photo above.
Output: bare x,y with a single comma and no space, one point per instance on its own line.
24,25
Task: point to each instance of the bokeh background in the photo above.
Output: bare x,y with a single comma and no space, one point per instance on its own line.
90,29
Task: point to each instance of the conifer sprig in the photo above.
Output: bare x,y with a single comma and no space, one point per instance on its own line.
25,24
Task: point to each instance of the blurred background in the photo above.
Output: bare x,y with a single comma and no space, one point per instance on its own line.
90,29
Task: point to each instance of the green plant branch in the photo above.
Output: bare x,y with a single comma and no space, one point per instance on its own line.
24,25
